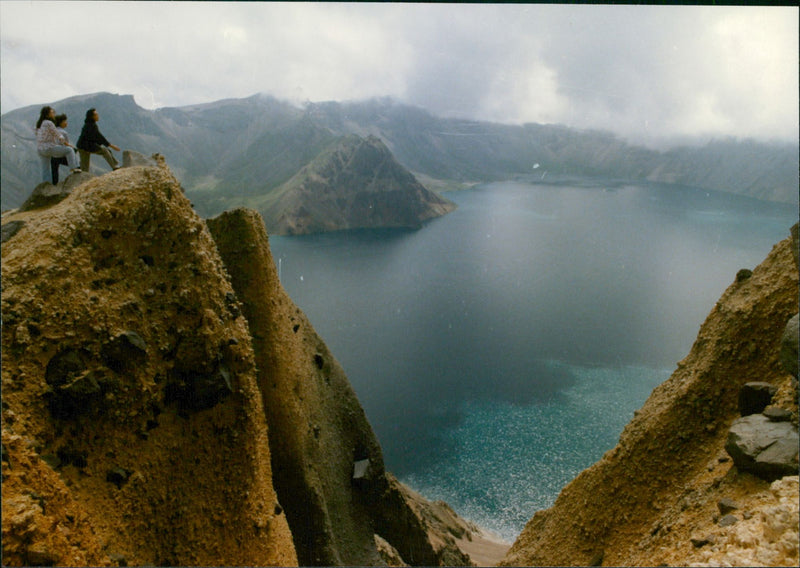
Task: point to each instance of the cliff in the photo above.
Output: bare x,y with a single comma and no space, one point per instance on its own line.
133,429
329,469
669,493
165,403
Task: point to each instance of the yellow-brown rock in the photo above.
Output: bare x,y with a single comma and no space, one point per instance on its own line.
133,428
653,499
318,428
327,463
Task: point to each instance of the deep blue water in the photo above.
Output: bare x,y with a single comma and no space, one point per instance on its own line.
501,349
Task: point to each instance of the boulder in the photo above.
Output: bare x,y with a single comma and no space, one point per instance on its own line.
195,389
789,342
764,448
755,397
73,387
46,194
74,180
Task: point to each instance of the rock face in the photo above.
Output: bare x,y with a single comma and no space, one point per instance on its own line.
156,397
356,183
328,466
133,428
318,429
652,500
789,344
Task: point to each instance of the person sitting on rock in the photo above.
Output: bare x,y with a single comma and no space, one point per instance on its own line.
91,141
50,143
61,125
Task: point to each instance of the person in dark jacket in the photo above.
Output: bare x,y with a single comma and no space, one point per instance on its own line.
91,141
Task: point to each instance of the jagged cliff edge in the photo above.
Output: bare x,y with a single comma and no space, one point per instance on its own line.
164,401
670,493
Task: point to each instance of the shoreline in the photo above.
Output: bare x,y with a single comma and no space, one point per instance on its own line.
484,547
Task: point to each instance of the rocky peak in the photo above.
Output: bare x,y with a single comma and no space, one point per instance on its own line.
131,408
165,402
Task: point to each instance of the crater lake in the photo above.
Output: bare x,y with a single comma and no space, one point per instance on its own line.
501,349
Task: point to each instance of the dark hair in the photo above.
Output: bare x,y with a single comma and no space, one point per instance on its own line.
60,118
90,115
44,114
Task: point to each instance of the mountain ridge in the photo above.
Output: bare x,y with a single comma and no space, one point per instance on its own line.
235,148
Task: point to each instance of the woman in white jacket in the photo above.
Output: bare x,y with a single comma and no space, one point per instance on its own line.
50,143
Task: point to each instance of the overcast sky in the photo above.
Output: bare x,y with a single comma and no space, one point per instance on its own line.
643,72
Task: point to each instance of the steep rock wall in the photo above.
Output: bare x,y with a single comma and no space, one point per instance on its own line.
133,428
318,427
327,463
653,499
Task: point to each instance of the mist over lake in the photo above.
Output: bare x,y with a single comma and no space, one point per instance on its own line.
500,349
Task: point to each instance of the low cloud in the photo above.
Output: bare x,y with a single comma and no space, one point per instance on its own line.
640,71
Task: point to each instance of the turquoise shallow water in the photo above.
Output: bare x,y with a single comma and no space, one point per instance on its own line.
507,461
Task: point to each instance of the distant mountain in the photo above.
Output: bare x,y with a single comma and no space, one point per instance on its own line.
247,145
481,151
232,151
122,121
354,183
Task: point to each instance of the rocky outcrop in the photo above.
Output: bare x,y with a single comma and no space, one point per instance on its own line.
652,500
156,397
131,158
765,535
318,428
133,428
46,194
356,183
327,464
